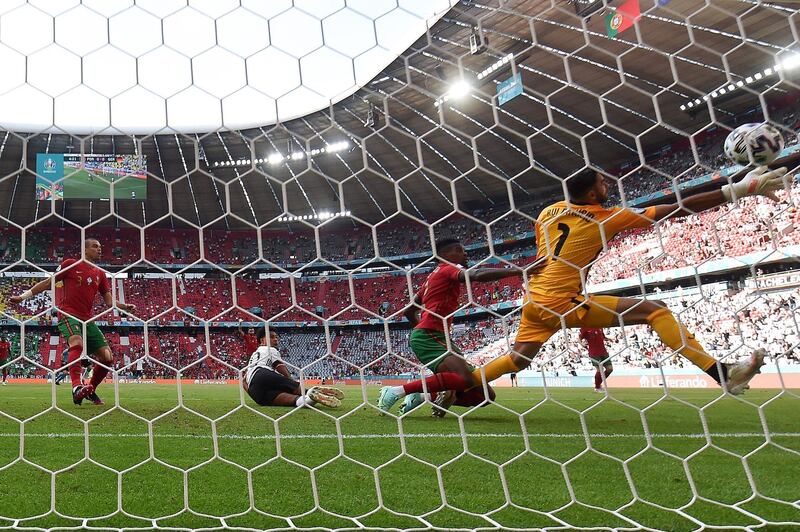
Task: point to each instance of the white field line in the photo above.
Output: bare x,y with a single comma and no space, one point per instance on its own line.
424,435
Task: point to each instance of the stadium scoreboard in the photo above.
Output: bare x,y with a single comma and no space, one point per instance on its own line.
90,176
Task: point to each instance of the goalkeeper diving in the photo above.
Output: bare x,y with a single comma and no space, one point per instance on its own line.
569,237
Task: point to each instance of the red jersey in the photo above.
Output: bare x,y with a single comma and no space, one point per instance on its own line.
250,343
440,295
77,287
596,340
5,347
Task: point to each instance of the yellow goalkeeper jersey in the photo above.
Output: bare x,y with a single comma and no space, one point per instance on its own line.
572,236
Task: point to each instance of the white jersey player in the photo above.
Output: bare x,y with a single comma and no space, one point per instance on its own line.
268,382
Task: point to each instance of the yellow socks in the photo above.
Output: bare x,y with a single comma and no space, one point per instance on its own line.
678,338
663,323
495,368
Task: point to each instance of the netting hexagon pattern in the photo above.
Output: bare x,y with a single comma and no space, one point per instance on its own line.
93,57
252,208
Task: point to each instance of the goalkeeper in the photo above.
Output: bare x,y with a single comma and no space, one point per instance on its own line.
569,237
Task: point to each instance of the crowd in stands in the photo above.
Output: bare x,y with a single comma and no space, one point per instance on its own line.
735,230
752,225
293,247
296,244
342,239
728,324
676,165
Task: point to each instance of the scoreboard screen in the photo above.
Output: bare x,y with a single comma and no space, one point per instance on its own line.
76,176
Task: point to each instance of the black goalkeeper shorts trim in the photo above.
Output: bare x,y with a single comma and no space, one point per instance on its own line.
265,385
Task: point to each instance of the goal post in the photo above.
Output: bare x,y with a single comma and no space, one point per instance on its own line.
218,169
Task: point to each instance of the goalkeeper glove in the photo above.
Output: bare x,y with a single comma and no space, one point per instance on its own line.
758,182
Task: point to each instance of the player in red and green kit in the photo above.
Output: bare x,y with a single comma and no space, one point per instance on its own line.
77,284
250,339
439,299
5,349
596,344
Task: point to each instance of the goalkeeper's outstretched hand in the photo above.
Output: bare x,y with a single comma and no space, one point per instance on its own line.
758,182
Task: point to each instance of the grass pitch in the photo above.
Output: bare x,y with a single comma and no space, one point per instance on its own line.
80,184
587,463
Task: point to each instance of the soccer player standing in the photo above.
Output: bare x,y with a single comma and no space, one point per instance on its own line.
439,299
596,345
249,337
569,237
5,349
77,284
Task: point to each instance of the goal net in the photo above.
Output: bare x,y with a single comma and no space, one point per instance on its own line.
231,166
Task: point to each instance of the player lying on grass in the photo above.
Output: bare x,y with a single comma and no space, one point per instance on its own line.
570,236
268,382
452,380
78,282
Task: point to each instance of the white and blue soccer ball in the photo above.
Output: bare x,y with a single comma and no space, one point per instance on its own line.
754,144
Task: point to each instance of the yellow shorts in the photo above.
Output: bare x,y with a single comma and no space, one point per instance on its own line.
542,316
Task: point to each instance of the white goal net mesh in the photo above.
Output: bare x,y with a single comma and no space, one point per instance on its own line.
290,164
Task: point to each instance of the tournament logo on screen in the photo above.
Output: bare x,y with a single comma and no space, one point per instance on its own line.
49,171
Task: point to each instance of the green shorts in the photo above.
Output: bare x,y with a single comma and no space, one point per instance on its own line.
94,339
430,347
598,362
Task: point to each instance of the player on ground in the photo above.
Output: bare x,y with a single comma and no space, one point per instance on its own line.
439,298
5,349
78,281
569,237
269,383
598,354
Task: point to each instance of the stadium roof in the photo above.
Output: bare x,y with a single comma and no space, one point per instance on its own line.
119,67
588,98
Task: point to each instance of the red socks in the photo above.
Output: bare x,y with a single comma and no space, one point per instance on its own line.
437,383
98,374
75,369
473,397
5,373
598,379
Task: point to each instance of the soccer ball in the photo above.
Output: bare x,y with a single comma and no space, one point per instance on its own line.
756,144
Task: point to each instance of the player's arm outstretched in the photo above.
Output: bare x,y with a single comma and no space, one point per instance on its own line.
45,285
477,275
760,181
488,275
36,289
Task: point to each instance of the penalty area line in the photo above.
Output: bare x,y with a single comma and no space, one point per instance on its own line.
422,435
